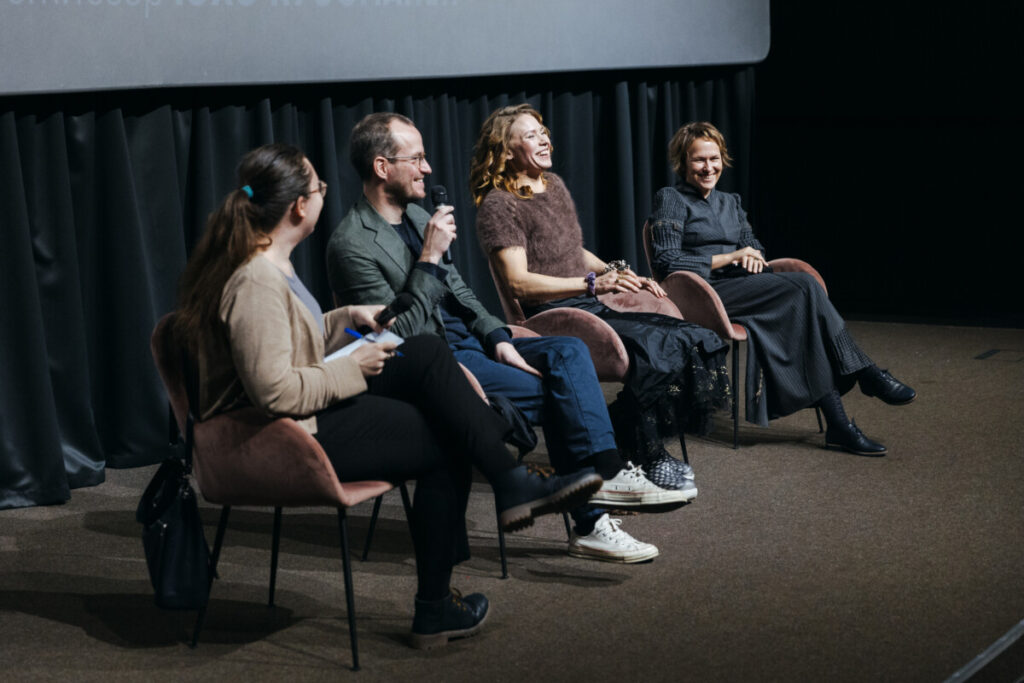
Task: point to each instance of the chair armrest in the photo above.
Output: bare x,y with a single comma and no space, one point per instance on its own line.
606,349
700,304
640,302
795,265
520,332
475,383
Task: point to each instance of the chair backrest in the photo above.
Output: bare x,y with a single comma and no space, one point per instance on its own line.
509,303
646,233
169,363
245,457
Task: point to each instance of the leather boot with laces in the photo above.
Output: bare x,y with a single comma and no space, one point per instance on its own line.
877,382
453,616
848,437
522,495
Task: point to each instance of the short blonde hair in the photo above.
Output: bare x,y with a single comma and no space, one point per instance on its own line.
681,142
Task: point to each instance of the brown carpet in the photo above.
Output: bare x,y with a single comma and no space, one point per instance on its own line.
793,564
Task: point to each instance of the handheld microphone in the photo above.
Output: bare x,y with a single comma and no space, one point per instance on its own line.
402,303
439,198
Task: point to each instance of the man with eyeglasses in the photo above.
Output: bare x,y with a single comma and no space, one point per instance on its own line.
388,244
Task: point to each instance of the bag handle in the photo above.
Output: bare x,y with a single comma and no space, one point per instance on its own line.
191,374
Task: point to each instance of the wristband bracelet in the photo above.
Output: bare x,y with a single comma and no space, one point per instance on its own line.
591,280
618,265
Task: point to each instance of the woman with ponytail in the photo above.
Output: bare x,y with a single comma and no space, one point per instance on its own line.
261,339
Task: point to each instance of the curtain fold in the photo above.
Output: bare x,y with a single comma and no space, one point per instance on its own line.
105,194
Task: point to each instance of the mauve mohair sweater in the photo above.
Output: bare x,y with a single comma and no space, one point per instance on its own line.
545,225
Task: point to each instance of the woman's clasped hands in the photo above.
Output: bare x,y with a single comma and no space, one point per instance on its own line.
749,258
626,281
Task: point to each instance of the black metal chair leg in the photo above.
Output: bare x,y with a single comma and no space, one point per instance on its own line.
350,602
275,545
568,525
172,427
735,394
407,504
214,558
373,525
682,445
501,544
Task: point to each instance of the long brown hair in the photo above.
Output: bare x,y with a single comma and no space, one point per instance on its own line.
488,169
270,179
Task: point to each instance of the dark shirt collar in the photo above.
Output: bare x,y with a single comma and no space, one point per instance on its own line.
686,188
407,231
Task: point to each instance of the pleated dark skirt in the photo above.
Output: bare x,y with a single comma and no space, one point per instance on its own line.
798,346
677,371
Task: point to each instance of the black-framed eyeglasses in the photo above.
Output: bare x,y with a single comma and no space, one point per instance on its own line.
321,187
416,159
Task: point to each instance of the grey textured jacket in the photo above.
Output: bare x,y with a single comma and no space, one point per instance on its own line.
687,230
368,263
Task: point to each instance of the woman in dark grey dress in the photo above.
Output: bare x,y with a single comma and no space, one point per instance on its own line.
797,341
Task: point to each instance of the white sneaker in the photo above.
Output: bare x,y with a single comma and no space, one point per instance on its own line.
608,543
631,488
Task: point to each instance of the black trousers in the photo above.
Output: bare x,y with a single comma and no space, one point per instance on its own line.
420,420
797,342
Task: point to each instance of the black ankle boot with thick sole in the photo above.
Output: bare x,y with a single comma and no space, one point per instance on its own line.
438,621
522,495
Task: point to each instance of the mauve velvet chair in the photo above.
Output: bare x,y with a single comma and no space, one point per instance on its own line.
247,458
700,303
607,351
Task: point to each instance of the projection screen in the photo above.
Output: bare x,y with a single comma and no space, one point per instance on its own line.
76,45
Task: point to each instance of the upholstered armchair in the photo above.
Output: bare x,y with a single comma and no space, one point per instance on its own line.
245,457
699,303
606,349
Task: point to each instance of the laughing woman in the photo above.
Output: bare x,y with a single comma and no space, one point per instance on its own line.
797,340
528,228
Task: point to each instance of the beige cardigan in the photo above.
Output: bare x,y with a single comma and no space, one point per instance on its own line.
269,353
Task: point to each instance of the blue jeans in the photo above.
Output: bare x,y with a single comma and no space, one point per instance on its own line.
567,402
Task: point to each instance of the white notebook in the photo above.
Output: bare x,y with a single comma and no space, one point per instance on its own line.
373,338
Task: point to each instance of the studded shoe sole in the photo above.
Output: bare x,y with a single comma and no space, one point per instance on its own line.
431,641
579,492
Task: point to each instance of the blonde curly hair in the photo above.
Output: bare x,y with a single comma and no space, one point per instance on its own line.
489,169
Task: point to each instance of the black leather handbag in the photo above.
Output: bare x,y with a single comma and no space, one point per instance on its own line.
177,554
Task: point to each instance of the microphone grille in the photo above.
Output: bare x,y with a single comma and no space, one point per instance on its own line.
438,195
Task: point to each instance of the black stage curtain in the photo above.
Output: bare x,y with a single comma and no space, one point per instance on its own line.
105,193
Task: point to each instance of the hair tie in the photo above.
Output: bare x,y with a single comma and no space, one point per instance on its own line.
248,190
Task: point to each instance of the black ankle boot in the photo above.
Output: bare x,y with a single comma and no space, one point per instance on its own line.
453,616
848,437
877,382
521,495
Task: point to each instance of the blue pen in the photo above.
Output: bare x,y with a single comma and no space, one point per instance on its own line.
355,334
